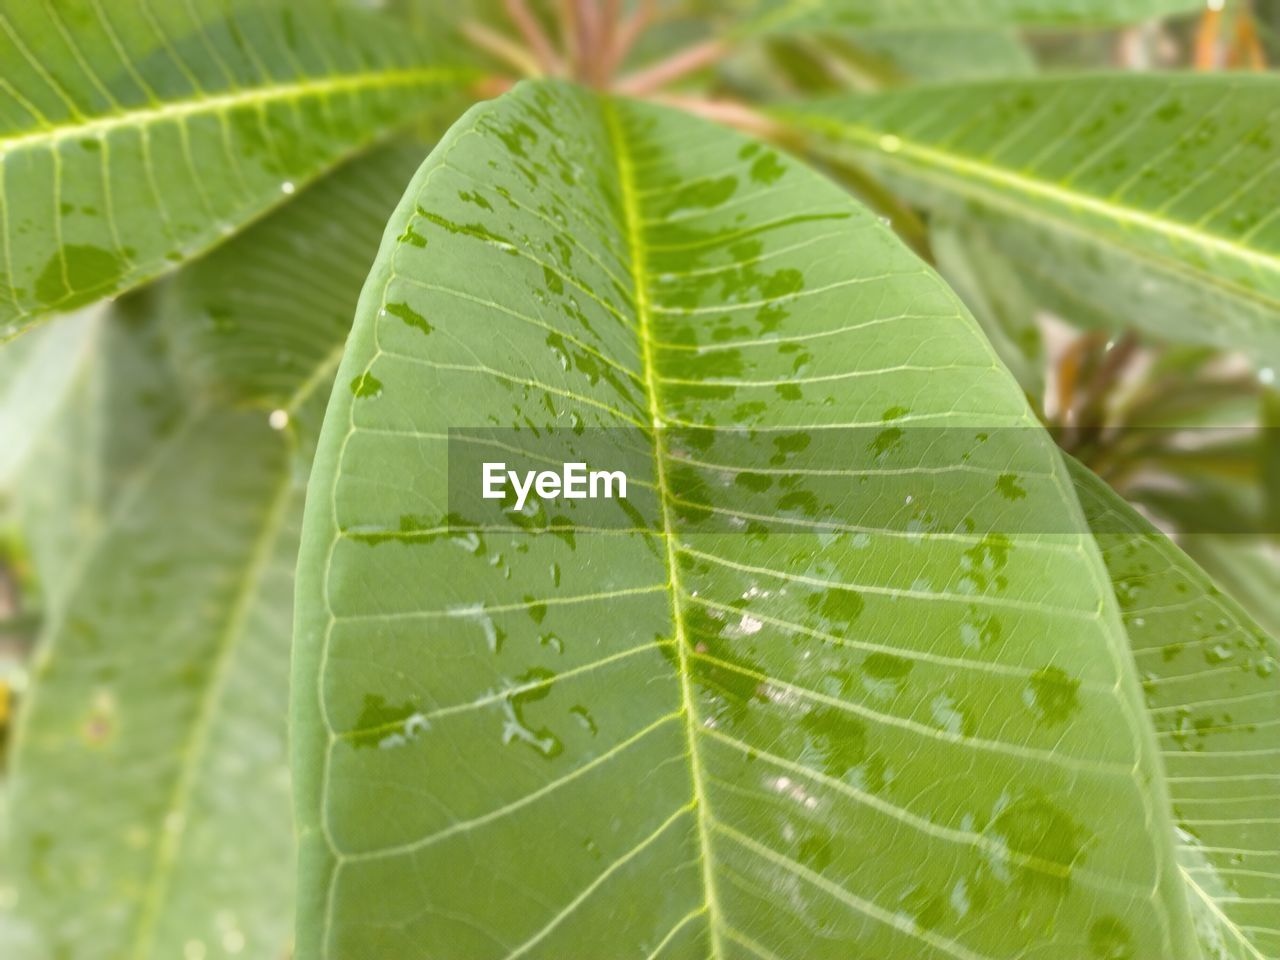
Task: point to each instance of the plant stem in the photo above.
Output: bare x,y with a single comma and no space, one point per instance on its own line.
629,31
679,64
505,49
1206,50
535,37
729,112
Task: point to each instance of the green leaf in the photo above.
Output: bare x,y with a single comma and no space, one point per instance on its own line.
37,375
998,297
703,736
1212,681
1247,567
150,736
962,14
135,136
151,784
936,55
84,432
1144,197
827,64
264,320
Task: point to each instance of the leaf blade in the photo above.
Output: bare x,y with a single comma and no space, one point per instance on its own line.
82,728
1215,721
488,689
918,14
169,595
136,140
1158,200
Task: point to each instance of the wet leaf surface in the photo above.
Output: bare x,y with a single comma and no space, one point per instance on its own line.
1148,198
696,736
135,136
1211,678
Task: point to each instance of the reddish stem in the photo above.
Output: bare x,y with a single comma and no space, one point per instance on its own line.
505,49
727,112
534,36
679,64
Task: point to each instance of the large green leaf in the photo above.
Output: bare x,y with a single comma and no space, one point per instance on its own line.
962,14
1151,198
936,55
151,735
135,135
264,320
152,788
1212,682
704,729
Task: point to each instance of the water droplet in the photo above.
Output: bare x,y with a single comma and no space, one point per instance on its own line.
366,386
1052,695
279,419
584,718
1008,486
552,641
287,188
515,728
948,716
1109,939
1218,653
475,612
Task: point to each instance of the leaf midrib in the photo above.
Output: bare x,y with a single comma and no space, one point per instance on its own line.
143,117
638,269
960,173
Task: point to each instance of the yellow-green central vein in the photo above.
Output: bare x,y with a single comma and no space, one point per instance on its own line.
635,242
968,176
145,117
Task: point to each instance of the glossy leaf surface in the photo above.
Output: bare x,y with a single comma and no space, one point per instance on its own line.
1152,198
1211,677
700,736
136,135
962,14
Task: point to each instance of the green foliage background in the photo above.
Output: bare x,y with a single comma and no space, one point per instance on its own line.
1059,216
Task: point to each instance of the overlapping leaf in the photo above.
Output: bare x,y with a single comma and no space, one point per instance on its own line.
962,14
151,786
998,296
710,726
1212,681
1246,567
152,739
264,320
1151,198
133,136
